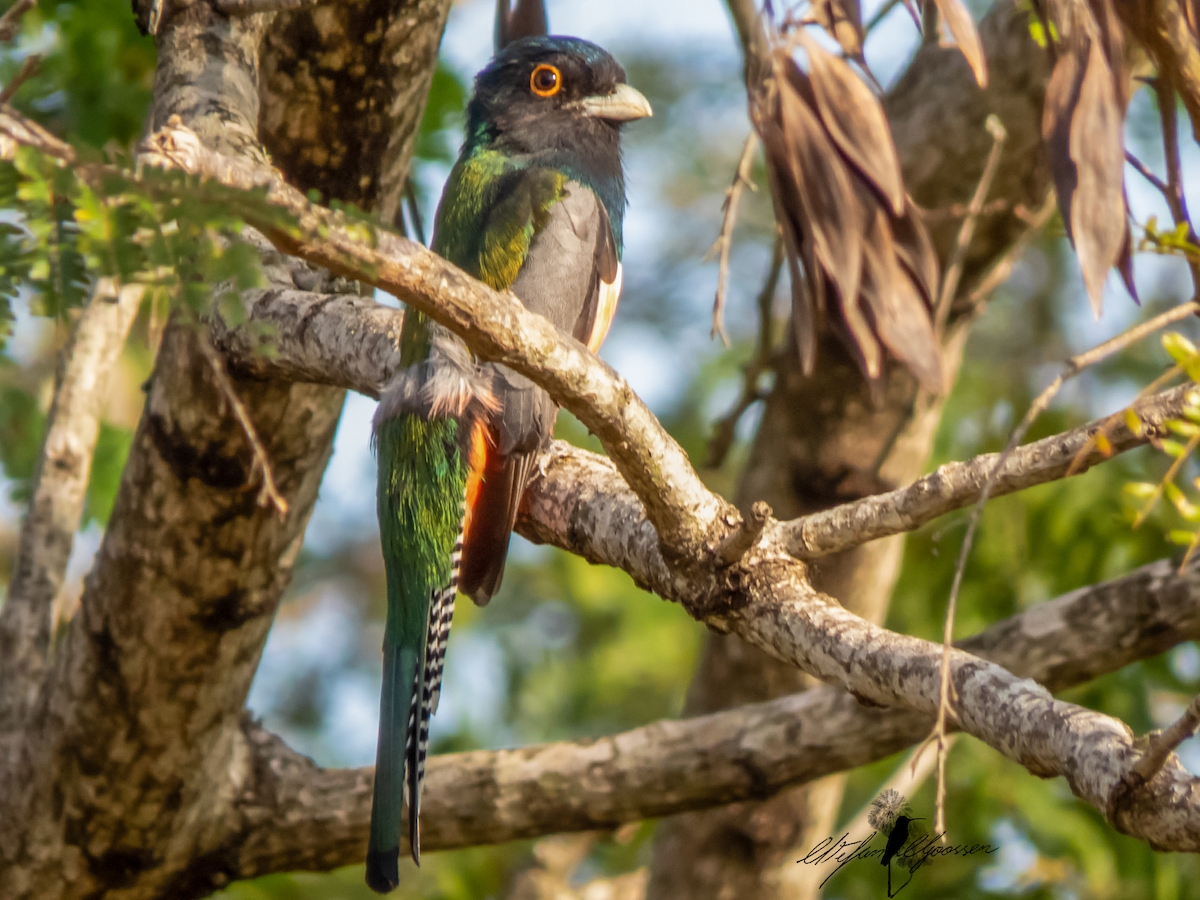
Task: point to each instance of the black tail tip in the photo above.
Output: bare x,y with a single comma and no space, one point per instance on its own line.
383,870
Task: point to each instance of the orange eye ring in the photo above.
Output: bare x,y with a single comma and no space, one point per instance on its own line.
546,80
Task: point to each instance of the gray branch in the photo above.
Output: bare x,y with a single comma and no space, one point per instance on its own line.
119,783
766,598
958,485
59,490
672,766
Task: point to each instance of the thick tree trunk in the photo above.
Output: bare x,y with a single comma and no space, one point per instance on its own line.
127,770
825,440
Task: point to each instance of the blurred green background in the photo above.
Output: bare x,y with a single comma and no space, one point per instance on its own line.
569,650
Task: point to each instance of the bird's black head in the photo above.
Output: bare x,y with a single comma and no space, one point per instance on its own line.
547,95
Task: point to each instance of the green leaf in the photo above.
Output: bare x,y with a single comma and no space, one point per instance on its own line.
1172,448
1140,489
1181,502
1182,428
1180,348
1133,423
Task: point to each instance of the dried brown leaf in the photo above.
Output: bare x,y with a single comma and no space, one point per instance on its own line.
895,309
916,254
832,211
861,341
855,120
1062,96
786,202
1112,38
962,26
1125,260
1098,221
843,20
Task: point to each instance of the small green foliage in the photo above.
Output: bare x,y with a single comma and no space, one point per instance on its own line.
1176,242
1186,357
1037,29
108,462
22,425
447,97
169,231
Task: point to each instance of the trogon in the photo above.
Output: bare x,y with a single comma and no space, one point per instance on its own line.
534,205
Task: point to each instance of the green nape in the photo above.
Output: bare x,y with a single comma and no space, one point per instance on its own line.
491,209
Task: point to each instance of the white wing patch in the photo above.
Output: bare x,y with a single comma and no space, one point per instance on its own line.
606,305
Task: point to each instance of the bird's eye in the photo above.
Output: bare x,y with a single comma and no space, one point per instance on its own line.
545,81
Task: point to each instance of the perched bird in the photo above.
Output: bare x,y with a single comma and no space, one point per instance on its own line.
534,205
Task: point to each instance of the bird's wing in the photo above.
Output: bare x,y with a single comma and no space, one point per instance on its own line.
570,274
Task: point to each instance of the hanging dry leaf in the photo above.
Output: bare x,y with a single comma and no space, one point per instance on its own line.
1112,39
1062,96
787,209
1097,147
915,252
843,20
526,19
835,218
962,26
854,119
1125,259
895,309
862,340
847,270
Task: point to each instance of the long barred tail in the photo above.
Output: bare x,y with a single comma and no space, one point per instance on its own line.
428,687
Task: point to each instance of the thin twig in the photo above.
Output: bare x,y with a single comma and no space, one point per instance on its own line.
269,493
1144,171
1174,192
1162,743
1074,366
250,7
741,180
967,231
59,492
10,22
880,15
28,70
725,428
1000,271
738,543
960,210
908,776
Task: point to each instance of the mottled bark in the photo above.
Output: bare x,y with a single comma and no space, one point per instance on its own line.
344,89
56,507
125,778
824,440
748,753
766,597
691,521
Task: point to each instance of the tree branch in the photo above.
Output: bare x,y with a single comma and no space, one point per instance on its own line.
496,325
111,787
957,485
766,598
672,766
59,490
